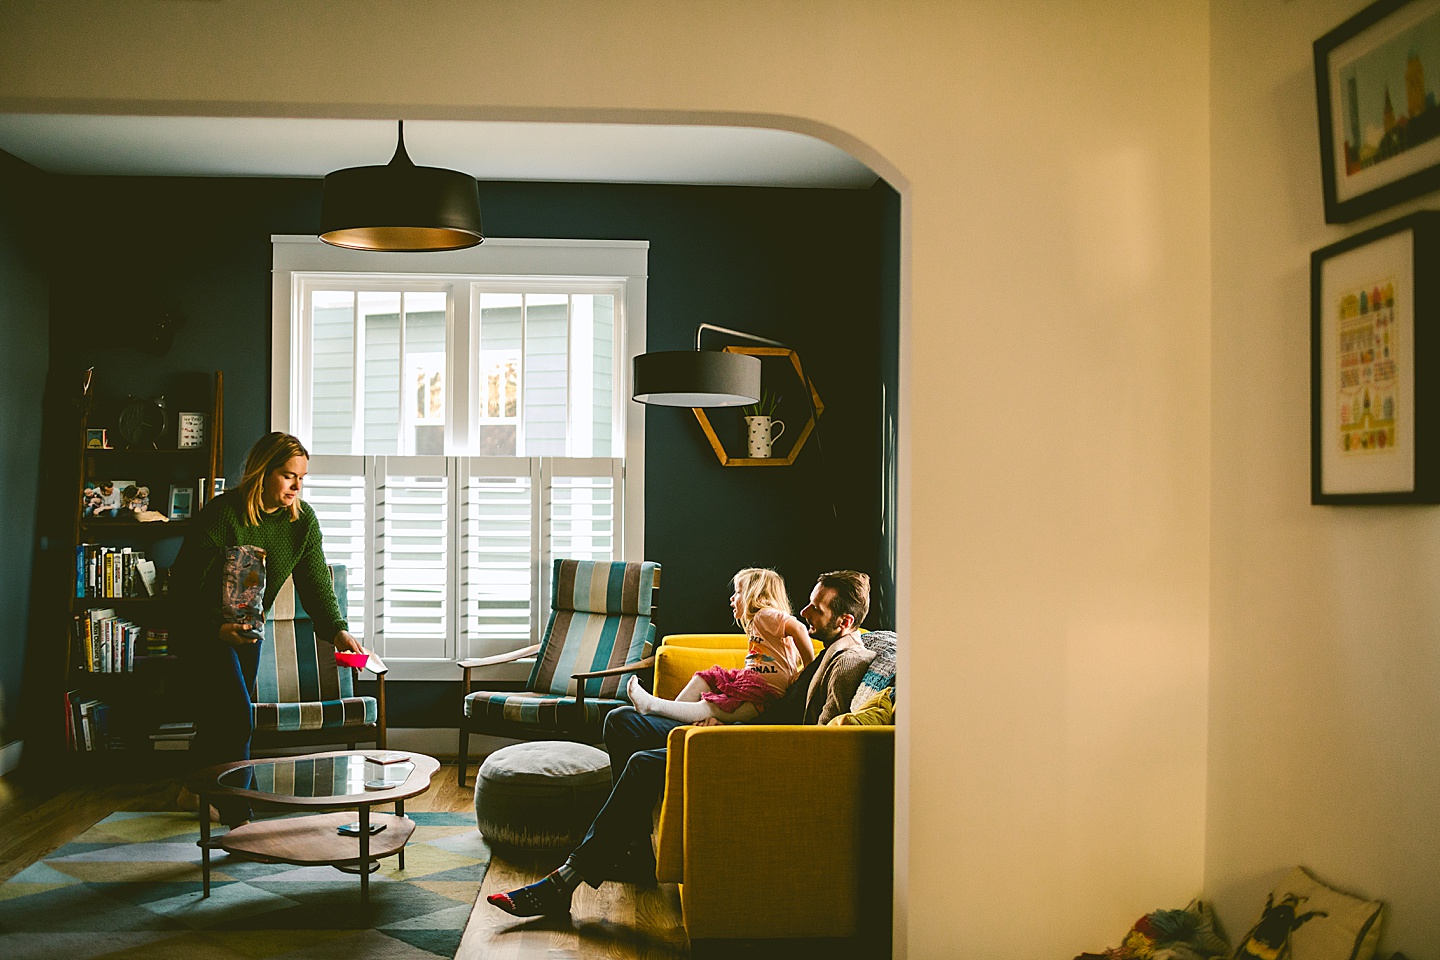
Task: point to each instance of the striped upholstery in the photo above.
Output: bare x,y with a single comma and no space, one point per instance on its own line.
298,685
535,709
599,618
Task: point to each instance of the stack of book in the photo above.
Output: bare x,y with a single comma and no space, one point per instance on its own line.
87,724
173,736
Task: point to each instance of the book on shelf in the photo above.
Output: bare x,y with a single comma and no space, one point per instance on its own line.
175,735
108,643
174,729
108,572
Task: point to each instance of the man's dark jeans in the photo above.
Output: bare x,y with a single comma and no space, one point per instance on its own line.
618,844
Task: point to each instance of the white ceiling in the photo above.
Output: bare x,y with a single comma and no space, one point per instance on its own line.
255,147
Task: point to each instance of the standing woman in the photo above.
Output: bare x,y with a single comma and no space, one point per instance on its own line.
265,510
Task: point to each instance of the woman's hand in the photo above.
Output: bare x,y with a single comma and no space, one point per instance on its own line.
239,634
346,643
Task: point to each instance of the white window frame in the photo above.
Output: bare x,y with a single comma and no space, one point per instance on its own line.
616,267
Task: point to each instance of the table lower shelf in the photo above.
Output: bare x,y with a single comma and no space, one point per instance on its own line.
311,841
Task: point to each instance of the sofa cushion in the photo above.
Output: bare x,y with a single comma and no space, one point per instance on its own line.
881,672
1319,923
880,711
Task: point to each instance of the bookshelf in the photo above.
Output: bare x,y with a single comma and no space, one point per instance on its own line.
123,680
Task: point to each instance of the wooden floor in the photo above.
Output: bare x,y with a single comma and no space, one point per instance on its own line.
616,922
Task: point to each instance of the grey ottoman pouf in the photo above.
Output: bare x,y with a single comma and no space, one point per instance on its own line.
541,795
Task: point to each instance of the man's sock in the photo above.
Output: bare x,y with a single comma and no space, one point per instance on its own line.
648,703
550,894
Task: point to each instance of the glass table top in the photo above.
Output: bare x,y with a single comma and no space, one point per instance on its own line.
345,776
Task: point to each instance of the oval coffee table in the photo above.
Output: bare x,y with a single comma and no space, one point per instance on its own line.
316,781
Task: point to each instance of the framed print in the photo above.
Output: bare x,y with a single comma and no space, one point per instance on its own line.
1373,329
1377,80
181,502
192,430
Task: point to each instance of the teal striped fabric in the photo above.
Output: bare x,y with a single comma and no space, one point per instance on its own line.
298,684
599,618
536,709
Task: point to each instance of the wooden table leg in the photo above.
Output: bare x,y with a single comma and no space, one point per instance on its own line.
364,854
400,812
204,847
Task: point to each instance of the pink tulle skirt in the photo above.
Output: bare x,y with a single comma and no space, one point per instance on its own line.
731,688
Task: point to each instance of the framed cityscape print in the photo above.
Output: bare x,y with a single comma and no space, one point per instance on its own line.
1373,329
1376,79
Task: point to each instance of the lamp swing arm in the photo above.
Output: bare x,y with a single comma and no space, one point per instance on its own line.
700,330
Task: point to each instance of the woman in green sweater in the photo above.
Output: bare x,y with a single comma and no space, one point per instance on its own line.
265,510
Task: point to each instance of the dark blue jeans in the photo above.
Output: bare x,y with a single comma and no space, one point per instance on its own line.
618,843
222,680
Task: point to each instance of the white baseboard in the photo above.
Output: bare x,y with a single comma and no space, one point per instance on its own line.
10,756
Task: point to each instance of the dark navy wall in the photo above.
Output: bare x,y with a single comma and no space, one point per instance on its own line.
808,267
24,322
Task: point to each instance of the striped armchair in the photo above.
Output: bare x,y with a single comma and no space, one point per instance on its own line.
302,696
600,631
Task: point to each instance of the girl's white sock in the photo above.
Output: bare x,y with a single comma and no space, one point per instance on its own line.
649,704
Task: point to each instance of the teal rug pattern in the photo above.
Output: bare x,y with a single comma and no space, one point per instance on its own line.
129,887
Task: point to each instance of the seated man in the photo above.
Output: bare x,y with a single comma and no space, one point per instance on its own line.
617,846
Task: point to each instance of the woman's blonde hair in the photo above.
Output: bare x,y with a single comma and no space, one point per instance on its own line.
270,452
759,588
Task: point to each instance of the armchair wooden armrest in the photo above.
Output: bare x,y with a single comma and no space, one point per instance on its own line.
635,667
520,654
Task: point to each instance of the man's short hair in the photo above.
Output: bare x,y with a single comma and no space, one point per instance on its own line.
852,593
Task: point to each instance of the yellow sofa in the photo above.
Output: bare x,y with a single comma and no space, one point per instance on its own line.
774,831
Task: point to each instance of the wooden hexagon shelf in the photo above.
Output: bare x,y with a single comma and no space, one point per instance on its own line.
728,461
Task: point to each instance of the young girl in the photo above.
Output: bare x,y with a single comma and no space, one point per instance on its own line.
779,649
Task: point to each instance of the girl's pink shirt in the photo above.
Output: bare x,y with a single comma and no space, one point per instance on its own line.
772,654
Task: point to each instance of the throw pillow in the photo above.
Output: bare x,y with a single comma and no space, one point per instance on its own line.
881,673
878,712
1306,920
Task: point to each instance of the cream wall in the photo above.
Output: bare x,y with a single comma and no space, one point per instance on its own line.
1325,654
1054,162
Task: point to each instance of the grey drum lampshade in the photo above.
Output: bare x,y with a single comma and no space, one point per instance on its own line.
400,207
696,378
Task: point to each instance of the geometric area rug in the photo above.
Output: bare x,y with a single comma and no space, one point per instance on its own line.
129,888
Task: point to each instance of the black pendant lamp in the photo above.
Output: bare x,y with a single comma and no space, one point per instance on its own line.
699,378
400,207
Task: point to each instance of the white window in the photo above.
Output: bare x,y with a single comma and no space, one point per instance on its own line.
467,424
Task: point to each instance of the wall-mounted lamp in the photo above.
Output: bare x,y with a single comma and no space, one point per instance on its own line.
699,378
400,207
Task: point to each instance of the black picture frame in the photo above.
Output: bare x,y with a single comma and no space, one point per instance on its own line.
1361,450
1355,65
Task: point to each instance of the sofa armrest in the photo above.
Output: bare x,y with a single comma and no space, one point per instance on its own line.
827,793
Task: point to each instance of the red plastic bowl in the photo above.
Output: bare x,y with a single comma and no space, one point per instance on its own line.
355,660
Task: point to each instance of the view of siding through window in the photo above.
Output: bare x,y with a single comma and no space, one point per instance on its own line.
536,349
535,482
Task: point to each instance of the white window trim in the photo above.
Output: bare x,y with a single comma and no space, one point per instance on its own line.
595,263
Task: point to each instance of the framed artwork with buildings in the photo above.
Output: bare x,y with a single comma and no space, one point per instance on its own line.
1377,87
1374,317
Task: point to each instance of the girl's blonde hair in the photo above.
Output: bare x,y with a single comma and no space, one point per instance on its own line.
270,452
759,588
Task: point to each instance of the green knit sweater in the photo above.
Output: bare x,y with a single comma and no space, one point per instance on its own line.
291,547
